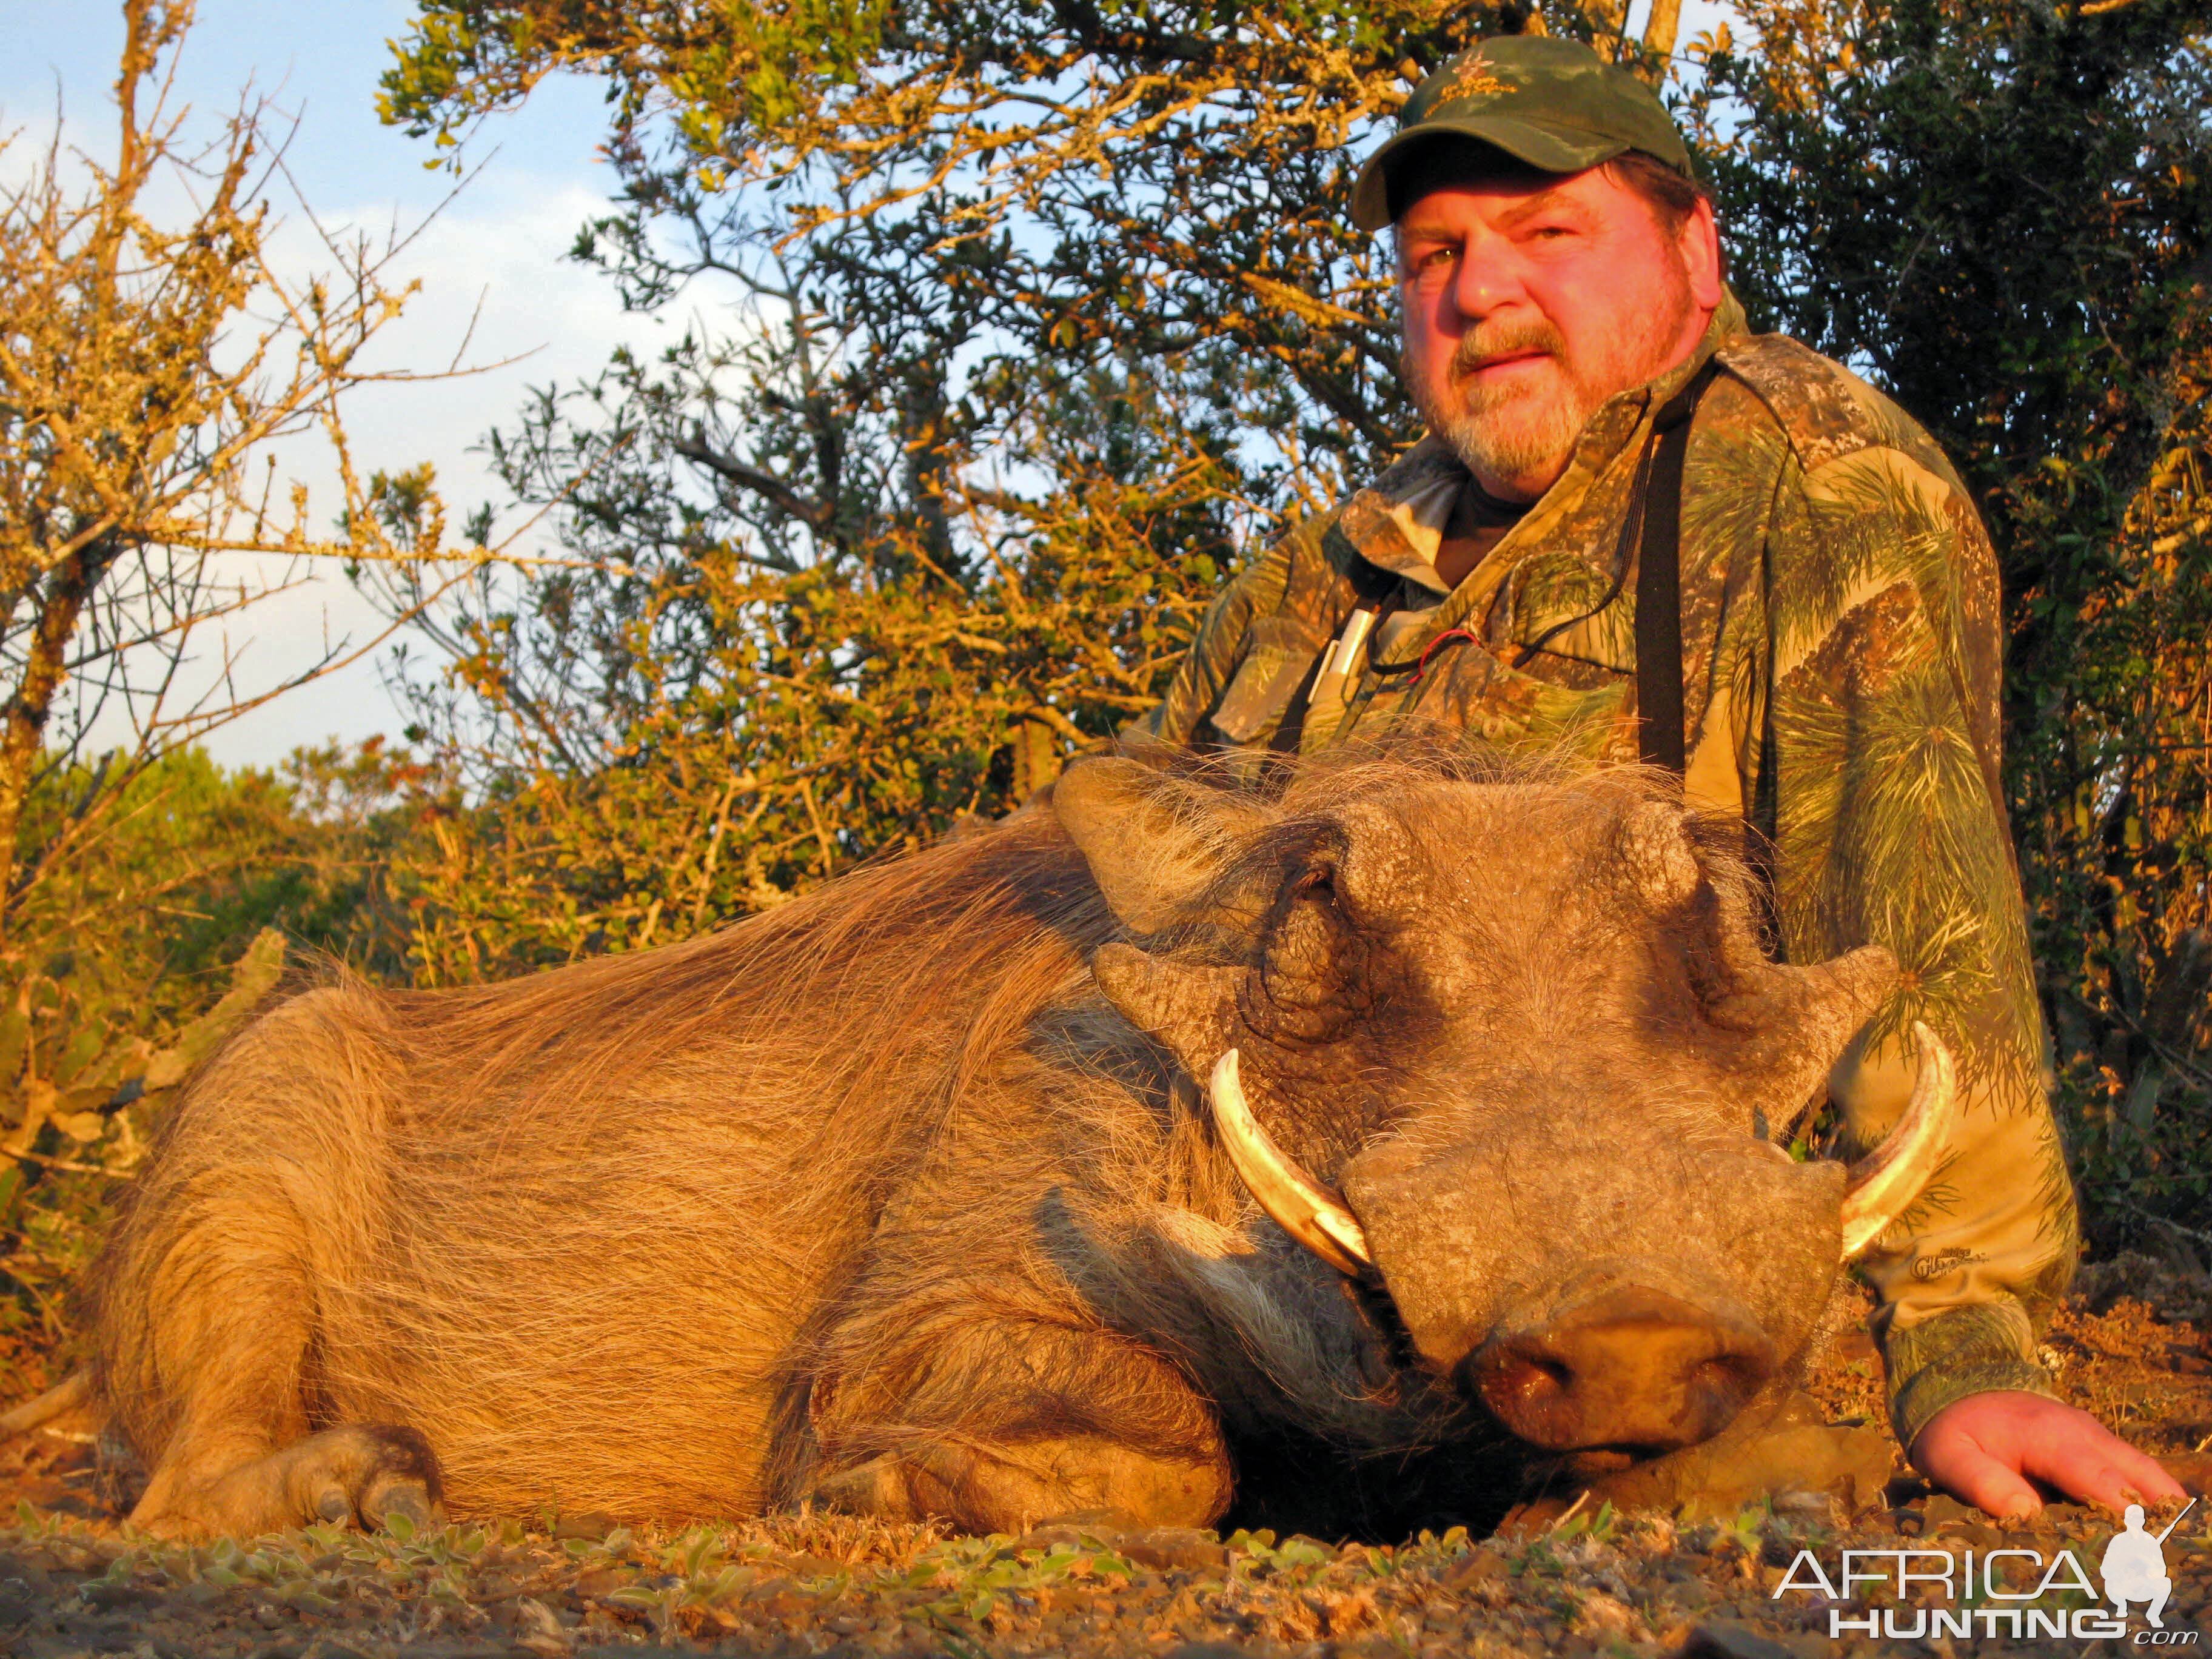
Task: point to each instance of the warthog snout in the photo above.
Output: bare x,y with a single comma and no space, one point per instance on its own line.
1629,1368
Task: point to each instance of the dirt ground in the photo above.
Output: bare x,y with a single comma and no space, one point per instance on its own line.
2136,1347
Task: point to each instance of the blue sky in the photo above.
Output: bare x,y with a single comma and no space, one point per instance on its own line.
498,245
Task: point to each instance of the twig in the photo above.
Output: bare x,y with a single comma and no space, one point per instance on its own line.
46,1163
2197,1234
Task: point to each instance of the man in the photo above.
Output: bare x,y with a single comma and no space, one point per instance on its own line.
1570,340
2134,1568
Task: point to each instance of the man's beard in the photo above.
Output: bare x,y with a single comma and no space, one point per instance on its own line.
1503,432
1519,431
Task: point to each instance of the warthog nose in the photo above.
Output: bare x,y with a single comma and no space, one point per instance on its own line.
1631,1367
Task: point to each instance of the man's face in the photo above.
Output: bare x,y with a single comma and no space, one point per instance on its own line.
1530,298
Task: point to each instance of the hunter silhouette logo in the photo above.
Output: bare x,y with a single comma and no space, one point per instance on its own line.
2134,1567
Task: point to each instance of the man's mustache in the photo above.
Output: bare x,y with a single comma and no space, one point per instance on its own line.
1514,340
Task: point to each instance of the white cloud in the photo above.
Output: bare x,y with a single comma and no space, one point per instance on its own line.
495,255
495,290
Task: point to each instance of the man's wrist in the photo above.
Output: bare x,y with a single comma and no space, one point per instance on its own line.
1957,1353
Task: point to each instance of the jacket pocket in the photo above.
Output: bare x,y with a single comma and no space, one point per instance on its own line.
1283,653
1466,686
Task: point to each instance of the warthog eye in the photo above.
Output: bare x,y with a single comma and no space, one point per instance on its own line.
1311,974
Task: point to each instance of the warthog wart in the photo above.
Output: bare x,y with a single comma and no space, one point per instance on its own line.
1408,1109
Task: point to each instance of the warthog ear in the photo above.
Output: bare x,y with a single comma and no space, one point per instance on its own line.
1153,842
1790,1023
1187,1006
1798,1021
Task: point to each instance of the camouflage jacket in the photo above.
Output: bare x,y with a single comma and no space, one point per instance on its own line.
1840,643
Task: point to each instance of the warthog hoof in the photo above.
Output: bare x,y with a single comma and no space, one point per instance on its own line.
1794,1452
371,1472
360,1474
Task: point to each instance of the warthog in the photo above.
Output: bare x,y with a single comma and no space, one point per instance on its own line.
1170,1134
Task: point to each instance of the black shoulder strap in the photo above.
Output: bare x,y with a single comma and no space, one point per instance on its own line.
1659,583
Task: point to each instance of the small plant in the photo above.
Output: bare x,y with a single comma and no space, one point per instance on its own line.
1597,1525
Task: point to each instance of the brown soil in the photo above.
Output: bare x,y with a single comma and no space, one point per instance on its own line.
73,1581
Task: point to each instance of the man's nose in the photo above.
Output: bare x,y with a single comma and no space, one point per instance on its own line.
1488,277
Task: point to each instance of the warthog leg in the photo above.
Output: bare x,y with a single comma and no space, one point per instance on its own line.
219,1289
997,1425
361,1472
1012,1488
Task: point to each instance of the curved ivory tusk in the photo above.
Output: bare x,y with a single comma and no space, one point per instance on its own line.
1884,1183
1299,1205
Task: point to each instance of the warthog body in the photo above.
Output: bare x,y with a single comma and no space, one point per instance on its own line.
907,1196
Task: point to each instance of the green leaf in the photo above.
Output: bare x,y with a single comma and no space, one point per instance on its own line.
251,979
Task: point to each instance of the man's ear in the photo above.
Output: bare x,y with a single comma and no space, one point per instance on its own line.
1700,245
1153,842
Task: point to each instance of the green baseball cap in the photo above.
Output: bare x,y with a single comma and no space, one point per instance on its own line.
1550,102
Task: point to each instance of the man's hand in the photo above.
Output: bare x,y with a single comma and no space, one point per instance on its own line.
1984,1449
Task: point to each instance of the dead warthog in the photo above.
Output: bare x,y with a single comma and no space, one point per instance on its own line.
934,1192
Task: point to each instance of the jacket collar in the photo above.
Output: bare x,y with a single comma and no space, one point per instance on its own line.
1397,522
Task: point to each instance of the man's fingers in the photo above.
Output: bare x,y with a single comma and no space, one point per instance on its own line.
2104,1470
2089,1476
2079,1456
1962,1468
2157,1486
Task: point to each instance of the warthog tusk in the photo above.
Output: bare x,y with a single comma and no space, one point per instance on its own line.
1294,1200
1884,1182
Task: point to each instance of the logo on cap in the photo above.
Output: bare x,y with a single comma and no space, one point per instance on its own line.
1471,78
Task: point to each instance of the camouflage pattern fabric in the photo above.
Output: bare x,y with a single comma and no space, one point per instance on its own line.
1840,636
